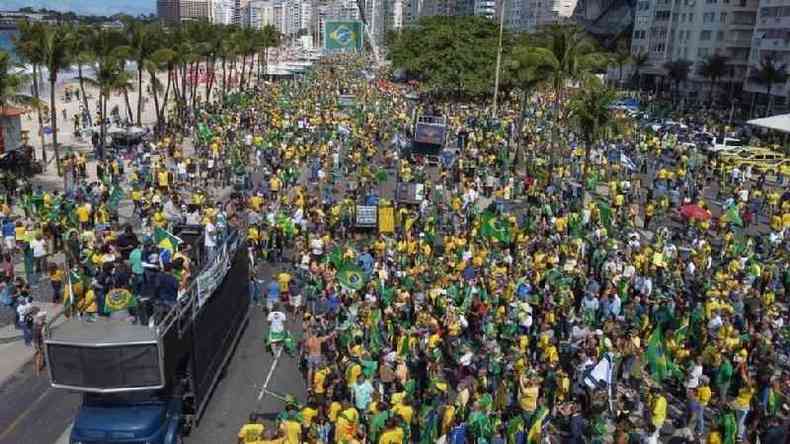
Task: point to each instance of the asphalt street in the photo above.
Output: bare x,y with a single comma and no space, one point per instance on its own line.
32,412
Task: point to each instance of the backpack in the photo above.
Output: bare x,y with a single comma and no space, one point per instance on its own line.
28,320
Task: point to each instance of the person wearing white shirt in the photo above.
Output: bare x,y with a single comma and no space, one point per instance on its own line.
210,241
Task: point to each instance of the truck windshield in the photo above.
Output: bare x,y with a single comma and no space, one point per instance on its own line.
126,398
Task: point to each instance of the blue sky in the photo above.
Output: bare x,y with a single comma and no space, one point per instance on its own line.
95,7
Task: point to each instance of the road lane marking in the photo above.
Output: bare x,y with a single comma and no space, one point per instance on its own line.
271,372
22,416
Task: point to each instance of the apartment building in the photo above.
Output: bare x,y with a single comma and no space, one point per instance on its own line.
771,39
694,30
258,13
540,13
175,11
224,11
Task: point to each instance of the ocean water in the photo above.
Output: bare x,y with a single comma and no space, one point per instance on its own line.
5,40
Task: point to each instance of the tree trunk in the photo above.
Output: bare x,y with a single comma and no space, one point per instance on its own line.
164,99
209,76
139,93
128,106
103,96
156,103
36,94
54,117
84,96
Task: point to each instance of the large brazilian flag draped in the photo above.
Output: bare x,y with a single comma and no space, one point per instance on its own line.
492,226
343,35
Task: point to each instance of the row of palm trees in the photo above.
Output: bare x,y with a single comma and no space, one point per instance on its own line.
713,69
225,52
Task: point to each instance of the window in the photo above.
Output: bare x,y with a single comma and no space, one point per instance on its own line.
702,52
641,20
708,17
723,17
711,2
719,36
683,18
705,35
674,16
662,16
691,16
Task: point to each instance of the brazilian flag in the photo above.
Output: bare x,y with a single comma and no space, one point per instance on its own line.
119,299
351,277
536,429
606,214
167,240
204,132
494,227
732,216
116,195
656,355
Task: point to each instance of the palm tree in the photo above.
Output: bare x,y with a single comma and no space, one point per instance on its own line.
621,57
577,56
109,63
28,46
527,68
159,60
678,72
55,45
640,61
713,68
576,52
82,54
589,109
12,80
140,44
767,74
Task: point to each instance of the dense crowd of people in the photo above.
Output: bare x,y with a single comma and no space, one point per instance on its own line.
517,300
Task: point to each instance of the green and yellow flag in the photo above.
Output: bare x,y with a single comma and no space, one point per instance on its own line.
536,429
119,299
656,355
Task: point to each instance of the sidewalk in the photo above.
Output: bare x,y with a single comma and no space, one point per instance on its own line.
13,349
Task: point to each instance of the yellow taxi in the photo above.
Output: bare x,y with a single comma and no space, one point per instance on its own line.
759,159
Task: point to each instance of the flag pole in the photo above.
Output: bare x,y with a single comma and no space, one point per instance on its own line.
499,55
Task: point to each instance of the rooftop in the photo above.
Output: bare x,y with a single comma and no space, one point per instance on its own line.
100,332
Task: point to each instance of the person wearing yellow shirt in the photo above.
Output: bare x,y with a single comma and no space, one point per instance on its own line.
293,431
347,422
404,410
252,432
163,179
393,434
84,214
275,184
658,412
256,201
743,401
319,379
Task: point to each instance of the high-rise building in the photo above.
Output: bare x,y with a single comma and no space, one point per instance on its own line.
258,13
693,30
771,38
224,11
196,10
168,11
540,13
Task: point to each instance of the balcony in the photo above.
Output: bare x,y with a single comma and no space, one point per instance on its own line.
739,43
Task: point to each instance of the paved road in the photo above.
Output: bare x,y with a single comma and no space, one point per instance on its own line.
32,412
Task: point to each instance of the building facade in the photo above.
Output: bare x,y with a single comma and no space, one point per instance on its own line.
694,30
258,13
771,39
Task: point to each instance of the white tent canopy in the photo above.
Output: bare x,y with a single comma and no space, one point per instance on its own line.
779,122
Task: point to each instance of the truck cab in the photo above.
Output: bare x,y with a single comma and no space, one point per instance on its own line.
149,382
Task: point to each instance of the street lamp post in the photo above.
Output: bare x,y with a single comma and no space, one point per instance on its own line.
499,55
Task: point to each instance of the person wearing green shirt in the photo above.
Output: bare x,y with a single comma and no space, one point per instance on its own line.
138,275
723,379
